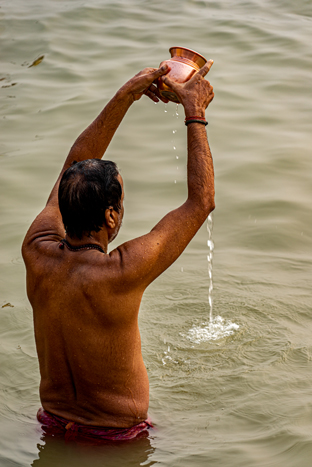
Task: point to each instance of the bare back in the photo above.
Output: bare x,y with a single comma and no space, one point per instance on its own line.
87,336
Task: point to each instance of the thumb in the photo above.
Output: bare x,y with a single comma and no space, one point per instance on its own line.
161,71
204,70
170,83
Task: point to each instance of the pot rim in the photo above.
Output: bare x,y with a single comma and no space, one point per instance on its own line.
190,54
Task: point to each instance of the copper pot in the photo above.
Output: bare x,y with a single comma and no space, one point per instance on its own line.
183,63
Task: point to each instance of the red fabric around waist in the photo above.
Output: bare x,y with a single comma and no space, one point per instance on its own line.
58,426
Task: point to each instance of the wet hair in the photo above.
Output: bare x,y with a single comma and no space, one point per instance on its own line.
86,190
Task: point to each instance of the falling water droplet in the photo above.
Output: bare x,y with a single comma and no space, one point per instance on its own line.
210,245
166,108
177,157
175,181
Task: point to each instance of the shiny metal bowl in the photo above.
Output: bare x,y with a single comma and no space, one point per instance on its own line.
183,63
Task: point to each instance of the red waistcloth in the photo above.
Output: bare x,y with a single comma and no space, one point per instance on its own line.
59,426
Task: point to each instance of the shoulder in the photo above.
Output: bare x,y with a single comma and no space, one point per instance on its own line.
40,251
47,227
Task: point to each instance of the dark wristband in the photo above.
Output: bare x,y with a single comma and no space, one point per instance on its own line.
195,120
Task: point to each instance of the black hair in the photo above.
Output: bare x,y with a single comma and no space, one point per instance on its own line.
86,190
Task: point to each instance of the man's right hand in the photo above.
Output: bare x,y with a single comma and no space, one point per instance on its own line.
143,83
196,94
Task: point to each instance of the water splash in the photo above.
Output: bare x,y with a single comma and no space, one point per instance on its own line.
217,328
210,245
167,357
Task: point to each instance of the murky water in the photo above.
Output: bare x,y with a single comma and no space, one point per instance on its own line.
242,398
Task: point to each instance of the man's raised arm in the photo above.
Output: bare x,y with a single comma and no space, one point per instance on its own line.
145,258
92,144
94,140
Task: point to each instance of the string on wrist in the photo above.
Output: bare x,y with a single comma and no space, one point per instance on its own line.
195,119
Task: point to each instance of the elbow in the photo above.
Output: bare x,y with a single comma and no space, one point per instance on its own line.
204,208
209,206
209,203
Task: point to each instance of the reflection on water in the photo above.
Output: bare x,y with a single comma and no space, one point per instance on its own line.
55,452
238,399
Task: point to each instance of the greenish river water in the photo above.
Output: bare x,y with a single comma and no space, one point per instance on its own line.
242,399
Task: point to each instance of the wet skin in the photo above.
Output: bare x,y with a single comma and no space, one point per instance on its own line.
86,303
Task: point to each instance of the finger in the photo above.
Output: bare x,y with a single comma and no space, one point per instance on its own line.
155,91
171,84
161,71
151,95
146,71
204,69
153,88
162,98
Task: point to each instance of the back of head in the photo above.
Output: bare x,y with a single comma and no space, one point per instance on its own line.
86,190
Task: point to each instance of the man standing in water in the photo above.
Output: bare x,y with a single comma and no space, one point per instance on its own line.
85,301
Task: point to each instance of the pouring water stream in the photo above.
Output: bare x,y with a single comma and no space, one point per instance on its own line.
216,328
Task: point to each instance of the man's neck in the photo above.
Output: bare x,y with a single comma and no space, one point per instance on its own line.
95,238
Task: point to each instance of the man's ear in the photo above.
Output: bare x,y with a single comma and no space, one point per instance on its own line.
111,217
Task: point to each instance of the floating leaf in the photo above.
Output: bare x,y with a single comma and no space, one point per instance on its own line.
7,304
37,61
9,85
